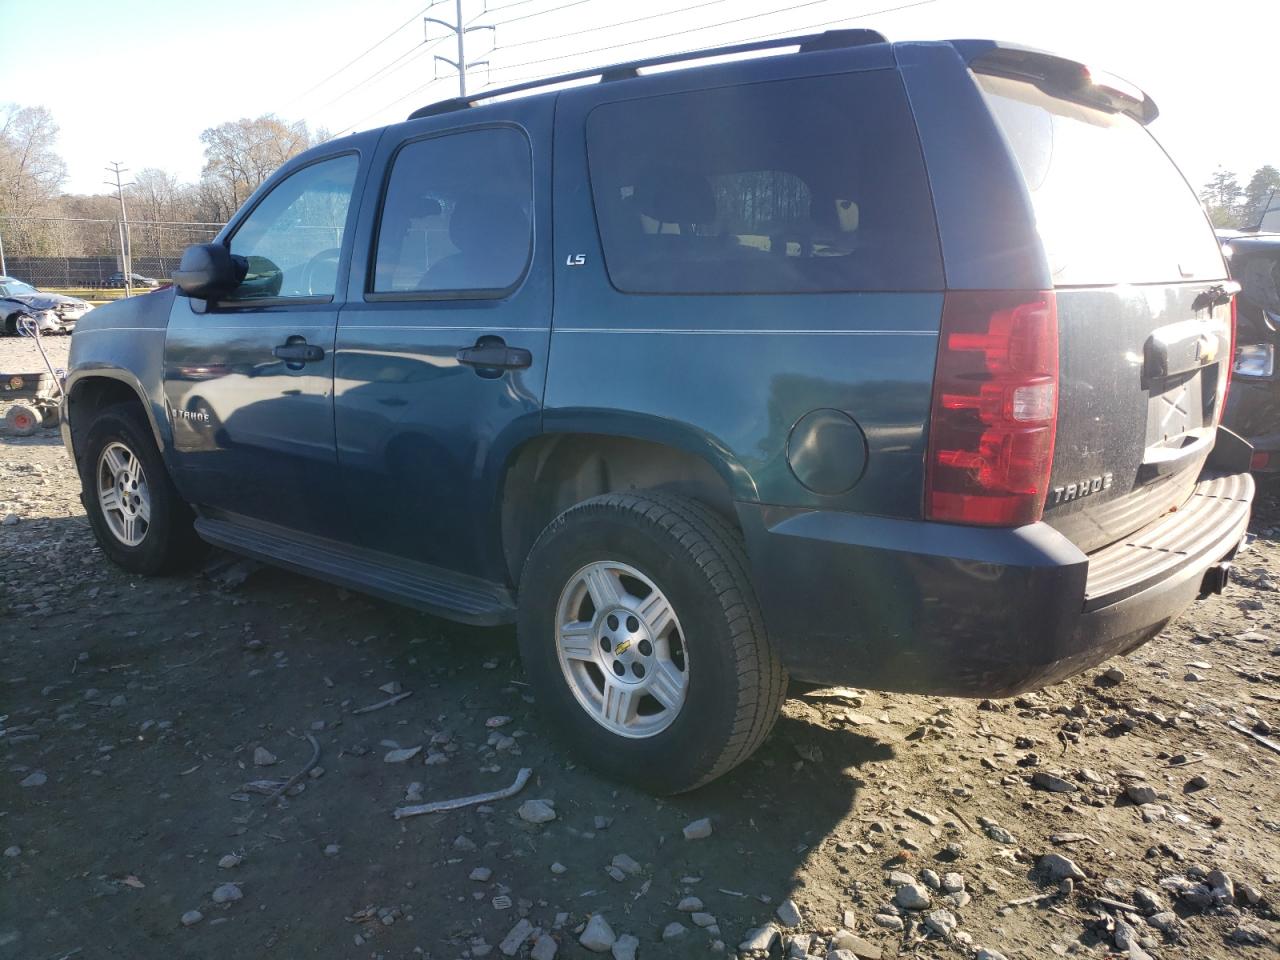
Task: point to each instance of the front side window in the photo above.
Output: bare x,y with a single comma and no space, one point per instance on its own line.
795,186
292,240
457,217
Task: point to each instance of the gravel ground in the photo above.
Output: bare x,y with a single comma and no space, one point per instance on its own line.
1116,814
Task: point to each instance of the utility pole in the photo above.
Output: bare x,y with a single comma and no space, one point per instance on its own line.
126,261
459,30
4,272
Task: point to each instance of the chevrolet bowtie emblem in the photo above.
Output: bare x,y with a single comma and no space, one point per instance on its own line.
623,647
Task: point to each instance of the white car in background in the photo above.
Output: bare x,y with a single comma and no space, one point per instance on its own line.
52,312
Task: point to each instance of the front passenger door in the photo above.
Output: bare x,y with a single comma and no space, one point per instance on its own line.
248,380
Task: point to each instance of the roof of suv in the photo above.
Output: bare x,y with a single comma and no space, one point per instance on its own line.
1057,75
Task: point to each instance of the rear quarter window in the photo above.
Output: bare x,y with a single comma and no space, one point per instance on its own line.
797,186
1110,206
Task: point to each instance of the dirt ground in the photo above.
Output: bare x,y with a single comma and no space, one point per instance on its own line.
131,712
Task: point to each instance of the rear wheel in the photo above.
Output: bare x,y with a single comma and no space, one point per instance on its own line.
137,516
640,631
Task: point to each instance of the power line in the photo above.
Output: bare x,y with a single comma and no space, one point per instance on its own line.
411,93
387,69
765,36
540,13
663,36
360,57
608,26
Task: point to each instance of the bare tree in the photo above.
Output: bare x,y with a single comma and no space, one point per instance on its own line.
240,154
31,172
154,195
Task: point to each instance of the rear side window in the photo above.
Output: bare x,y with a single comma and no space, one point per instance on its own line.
457,215
1110,206
796,186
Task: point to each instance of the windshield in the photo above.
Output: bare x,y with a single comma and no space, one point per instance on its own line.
16,288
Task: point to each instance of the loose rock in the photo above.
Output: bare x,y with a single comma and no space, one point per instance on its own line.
761,938
262,757
537,811
912,896
626,864
624,948
515,938
674,930
698,830
1057,867
544,948
941,922
191,918
1047,781
598,937
402,755
789,913
227,893
1140,793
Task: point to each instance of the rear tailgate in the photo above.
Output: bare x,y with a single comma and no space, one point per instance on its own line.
1144,322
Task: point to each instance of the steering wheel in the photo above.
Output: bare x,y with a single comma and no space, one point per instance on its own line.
314,266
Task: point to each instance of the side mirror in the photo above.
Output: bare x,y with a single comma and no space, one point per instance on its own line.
208,271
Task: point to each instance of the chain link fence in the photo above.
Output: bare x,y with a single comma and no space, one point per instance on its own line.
85,253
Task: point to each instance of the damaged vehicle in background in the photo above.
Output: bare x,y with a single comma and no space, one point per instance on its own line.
1253,406
52,312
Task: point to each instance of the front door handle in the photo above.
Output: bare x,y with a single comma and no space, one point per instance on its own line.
297,350
492,353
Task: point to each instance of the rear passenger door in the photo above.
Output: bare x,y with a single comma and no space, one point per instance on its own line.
441,349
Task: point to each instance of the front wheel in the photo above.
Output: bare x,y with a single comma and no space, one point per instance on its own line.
641,633
137,516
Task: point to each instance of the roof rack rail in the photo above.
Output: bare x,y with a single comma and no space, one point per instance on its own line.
829,40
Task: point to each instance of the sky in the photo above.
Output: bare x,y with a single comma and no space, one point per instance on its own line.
137,80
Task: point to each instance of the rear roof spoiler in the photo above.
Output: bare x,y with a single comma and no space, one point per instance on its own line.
1058,77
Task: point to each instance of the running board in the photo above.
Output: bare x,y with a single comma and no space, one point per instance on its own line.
440,592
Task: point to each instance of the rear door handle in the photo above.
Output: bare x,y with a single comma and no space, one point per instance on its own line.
492,353
297,350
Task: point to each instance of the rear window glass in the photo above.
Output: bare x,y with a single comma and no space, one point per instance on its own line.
797,186
1110,206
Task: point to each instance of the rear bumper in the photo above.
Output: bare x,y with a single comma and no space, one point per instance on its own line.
932,608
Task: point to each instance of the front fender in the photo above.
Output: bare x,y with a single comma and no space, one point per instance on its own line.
123,342
155,413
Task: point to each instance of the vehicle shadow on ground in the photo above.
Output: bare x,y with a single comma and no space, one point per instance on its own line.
218,672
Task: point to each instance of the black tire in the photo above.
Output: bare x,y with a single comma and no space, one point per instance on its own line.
169,544
11,324
735,683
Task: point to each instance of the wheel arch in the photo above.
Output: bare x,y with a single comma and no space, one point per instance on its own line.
91,391
553,471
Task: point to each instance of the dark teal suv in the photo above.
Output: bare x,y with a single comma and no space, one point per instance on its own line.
837,362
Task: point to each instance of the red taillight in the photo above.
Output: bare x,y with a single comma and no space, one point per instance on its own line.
995,408
1231,357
